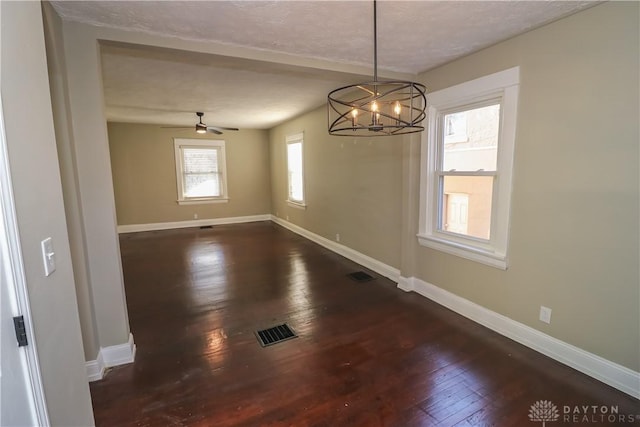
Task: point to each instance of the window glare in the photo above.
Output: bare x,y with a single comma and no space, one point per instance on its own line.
471,139
294,163
201,175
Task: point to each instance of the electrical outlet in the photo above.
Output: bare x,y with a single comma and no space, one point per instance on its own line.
337,237
287,217
545,314
195,216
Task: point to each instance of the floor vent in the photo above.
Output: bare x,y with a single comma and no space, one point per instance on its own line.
360,276
275,335
205,227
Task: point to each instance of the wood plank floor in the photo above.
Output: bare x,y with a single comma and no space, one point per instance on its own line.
367,353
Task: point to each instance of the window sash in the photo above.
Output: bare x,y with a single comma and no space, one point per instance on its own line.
202,171
440,174
438,217
211,172
461,108
190,176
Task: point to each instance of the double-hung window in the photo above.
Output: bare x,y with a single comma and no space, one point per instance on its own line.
200,171
295,170
466,168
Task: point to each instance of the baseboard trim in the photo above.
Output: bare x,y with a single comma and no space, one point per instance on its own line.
134,228
108,357
355,256
611,373
95,368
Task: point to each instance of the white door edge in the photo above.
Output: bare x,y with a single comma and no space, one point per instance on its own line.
16,269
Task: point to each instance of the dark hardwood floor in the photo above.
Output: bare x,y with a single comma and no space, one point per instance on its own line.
367,353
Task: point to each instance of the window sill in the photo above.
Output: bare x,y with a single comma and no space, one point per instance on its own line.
297,205
202,201
469,252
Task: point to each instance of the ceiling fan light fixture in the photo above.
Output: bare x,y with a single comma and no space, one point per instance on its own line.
378,107
200,127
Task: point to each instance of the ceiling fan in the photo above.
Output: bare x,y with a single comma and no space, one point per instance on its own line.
202,127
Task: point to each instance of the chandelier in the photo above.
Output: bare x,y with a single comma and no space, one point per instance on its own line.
378,107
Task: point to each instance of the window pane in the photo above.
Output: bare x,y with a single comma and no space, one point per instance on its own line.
201,175
471,139
294,163
465,206
202,185
200,160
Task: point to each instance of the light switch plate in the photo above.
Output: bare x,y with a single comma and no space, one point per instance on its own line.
48,256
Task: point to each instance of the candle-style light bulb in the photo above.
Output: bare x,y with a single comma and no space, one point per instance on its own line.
397,109
374,113
354,117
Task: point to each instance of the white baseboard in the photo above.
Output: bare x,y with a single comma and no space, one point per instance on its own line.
355,256
95,368
134,228
613,374
108,357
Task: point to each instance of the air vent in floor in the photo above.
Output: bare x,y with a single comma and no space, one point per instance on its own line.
275,335
360,276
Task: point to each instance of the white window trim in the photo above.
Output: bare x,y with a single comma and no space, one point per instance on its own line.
292,139
504,85
178,143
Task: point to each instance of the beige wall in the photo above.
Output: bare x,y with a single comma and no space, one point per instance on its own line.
144,174
67,159
352,186
81,138
574,226
39,207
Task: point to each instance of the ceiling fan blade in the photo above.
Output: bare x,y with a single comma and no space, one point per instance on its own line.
221,128
212,130
176,127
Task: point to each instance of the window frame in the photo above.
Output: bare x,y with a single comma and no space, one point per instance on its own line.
503,86
215,144
295,139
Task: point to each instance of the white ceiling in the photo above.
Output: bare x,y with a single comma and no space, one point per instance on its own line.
153,85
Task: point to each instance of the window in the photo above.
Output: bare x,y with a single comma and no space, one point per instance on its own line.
466,168
295,169
200,171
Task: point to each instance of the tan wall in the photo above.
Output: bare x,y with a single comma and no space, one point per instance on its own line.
81,131
66,155
574,226
40,213
144,174
352,186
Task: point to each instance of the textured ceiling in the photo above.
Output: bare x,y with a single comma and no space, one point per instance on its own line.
151,85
